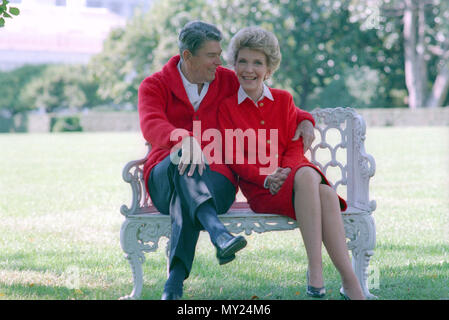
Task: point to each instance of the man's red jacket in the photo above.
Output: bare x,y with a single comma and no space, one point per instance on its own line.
164,107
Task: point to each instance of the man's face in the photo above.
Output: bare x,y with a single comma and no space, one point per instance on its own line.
202,65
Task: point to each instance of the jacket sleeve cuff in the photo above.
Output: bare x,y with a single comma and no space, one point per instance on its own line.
178,134
265,185
260,180
302,115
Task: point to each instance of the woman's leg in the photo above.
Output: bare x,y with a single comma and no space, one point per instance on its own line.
334,240
308,214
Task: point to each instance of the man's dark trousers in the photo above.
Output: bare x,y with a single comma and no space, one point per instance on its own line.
180,196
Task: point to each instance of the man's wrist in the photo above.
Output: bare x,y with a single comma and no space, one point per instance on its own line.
305,122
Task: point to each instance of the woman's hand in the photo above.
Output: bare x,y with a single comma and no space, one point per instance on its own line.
191,155
277,179
306,131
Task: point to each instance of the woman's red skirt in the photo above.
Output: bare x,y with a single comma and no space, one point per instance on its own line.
261,200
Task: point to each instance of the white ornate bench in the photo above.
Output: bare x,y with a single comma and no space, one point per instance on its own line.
338,148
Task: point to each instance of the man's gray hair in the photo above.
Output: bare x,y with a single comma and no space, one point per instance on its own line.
195,33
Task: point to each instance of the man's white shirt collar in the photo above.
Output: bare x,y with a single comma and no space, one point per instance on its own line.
192,89
266,93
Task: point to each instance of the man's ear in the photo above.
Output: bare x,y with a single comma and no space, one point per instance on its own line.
186,55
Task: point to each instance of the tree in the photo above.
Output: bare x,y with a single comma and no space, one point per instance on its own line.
12,84
61,87
423,28
320,47
426,34
438,46
142,48
7,11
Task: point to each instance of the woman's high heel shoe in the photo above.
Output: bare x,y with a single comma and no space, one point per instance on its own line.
343,294
313,291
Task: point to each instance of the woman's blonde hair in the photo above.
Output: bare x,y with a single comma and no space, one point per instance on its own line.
258,39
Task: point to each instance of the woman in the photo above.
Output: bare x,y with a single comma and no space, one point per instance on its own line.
297,188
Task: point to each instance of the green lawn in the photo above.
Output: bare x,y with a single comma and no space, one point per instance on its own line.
60,196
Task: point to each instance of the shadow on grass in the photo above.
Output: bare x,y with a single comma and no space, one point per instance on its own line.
416,281
280,274
99,278
267,273
53,260
412,271
19,291
408,249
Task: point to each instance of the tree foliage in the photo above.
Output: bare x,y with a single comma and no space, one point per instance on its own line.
421,29
322,49
335,53
142,48
319,45
7,11
61,87
12,84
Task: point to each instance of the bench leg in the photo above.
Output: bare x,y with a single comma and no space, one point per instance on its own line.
361,231
135,262
135,256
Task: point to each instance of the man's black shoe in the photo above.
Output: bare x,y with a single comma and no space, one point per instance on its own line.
167,295
227,245
224,260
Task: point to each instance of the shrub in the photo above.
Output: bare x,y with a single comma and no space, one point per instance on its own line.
65,124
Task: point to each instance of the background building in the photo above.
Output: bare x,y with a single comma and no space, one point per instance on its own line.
61,31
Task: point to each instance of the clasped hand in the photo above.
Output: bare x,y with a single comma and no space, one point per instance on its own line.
277,179
191,155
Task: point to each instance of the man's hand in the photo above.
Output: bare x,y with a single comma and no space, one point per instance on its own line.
191,155
306,131
277,179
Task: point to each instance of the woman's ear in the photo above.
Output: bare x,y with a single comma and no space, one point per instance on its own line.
267,75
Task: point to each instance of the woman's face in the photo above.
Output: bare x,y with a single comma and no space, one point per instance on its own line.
251,69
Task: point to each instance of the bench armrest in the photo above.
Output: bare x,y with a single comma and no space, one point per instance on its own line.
133,174
360,167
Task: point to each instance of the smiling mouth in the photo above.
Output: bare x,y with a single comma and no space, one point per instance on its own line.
249,78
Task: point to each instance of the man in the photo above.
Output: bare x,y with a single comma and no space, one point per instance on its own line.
190,88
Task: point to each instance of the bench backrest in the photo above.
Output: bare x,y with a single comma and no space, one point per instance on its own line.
338,150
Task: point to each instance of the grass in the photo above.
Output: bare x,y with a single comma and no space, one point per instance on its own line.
60,196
